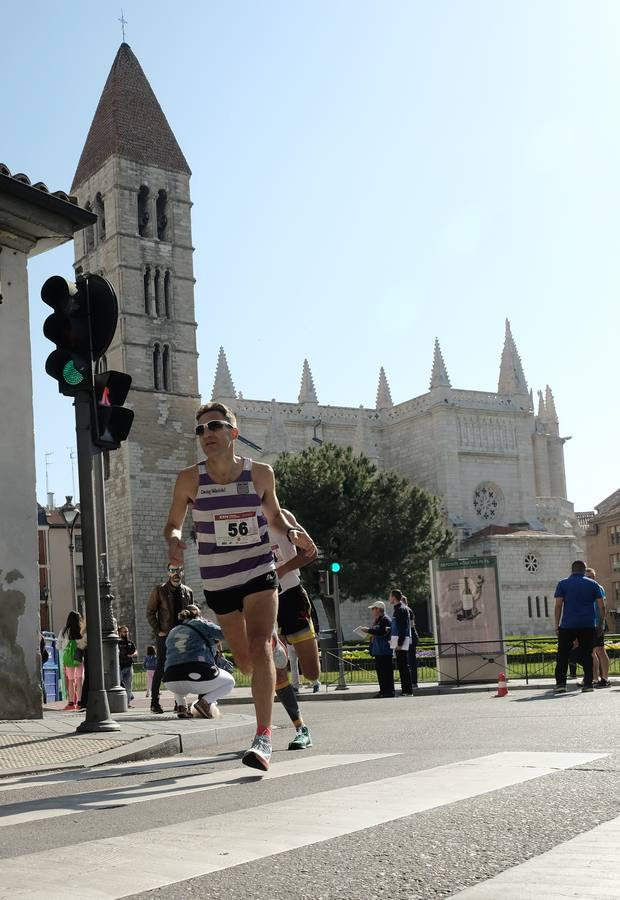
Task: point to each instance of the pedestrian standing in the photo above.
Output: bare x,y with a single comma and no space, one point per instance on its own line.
400,639
577,600
380,649
150,664
73,659
413,646
600,659
127,655
162,612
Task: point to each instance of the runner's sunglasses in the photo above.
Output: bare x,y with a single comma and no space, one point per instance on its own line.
215,425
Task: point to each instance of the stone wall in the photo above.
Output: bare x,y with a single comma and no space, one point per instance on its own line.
20,692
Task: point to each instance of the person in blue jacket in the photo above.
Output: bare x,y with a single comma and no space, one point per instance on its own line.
191,648
380,649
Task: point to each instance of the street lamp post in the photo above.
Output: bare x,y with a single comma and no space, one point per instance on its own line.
70,514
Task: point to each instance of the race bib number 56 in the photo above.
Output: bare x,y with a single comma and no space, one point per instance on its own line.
236,529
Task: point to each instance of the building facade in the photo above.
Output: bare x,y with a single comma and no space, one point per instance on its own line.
603,552
61,568
495,460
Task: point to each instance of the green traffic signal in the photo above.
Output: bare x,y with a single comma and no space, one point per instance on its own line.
335,567
71,375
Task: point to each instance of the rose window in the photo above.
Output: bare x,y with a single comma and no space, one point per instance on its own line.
487,501
531,563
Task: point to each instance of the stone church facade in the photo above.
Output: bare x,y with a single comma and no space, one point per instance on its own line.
496,462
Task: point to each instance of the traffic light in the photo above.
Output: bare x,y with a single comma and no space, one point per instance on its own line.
82,327
111,422
335,551
67,327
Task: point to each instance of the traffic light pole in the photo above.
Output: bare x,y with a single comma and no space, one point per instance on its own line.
341,685
97,710
117,695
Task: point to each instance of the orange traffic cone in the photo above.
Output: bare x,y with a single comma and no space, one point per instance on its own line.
502,686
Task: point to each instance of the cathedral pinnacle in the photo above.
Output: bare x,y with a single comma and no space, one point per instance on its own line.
223,387
439,374
552,415
307,392
541,406
384,396
511,377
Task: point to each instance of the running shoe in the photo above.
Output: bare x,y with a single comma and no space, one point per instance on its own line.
559,689
156,708
587,689
603,682
316,687
202,709
71,706
259,754
302,739
280,656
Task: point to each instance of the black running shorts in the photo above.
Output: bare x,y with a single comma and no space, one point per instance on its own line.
231,600
294,615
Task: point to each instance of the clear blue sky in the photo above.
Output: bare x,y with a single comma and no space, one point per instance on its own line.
366,176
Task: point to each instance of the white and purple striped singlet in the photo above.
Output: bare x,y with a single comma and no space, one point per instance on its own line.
233,539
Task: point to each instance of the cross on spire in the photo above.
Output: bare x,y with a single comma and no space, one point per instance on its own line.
123,22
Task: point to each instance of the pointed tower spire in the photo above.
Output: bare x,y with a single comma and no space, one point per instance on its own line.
439,374
552,415
129,122
511,377
223,386
541,407
307,392
384,395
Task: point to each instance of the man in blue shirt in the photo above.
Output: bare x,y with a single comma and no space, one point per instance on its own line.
576,601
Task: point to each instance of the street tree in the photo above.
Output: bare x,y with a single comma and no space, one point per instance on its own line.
387,528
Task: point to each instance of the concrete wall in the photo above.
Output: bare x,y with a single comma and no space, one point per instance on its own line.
20,694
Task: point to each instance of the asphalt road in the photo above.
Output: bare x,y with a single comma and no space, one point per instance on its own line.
367,753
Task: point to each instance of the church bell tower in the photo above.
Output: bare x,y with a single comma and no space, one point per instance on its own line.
134,176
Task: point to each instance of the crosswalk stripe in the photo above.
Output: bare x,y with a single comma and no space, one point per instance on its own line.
132,863
585,866
179,786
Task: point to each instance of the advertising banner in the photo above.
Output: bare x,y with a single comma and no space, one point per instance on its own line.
466,605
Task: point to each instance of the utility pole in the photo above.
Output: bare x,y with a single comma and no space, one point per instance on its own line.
341,685
97,710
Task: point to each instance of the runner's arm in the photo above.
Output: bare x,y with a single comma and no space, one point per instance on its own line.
302,558
183,494
263,478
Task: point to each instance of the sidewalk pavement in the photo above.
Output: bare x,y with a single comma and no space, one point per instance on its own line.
52,743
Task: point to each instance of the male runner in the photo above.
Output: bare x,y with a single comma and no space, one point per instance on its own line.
294,623
233,499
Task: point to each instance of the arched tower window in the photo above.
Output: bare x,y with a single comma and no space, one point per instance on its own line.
161,206
156,367
89,233
167,297
147,290
165,358
100,212
144,216
157,284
